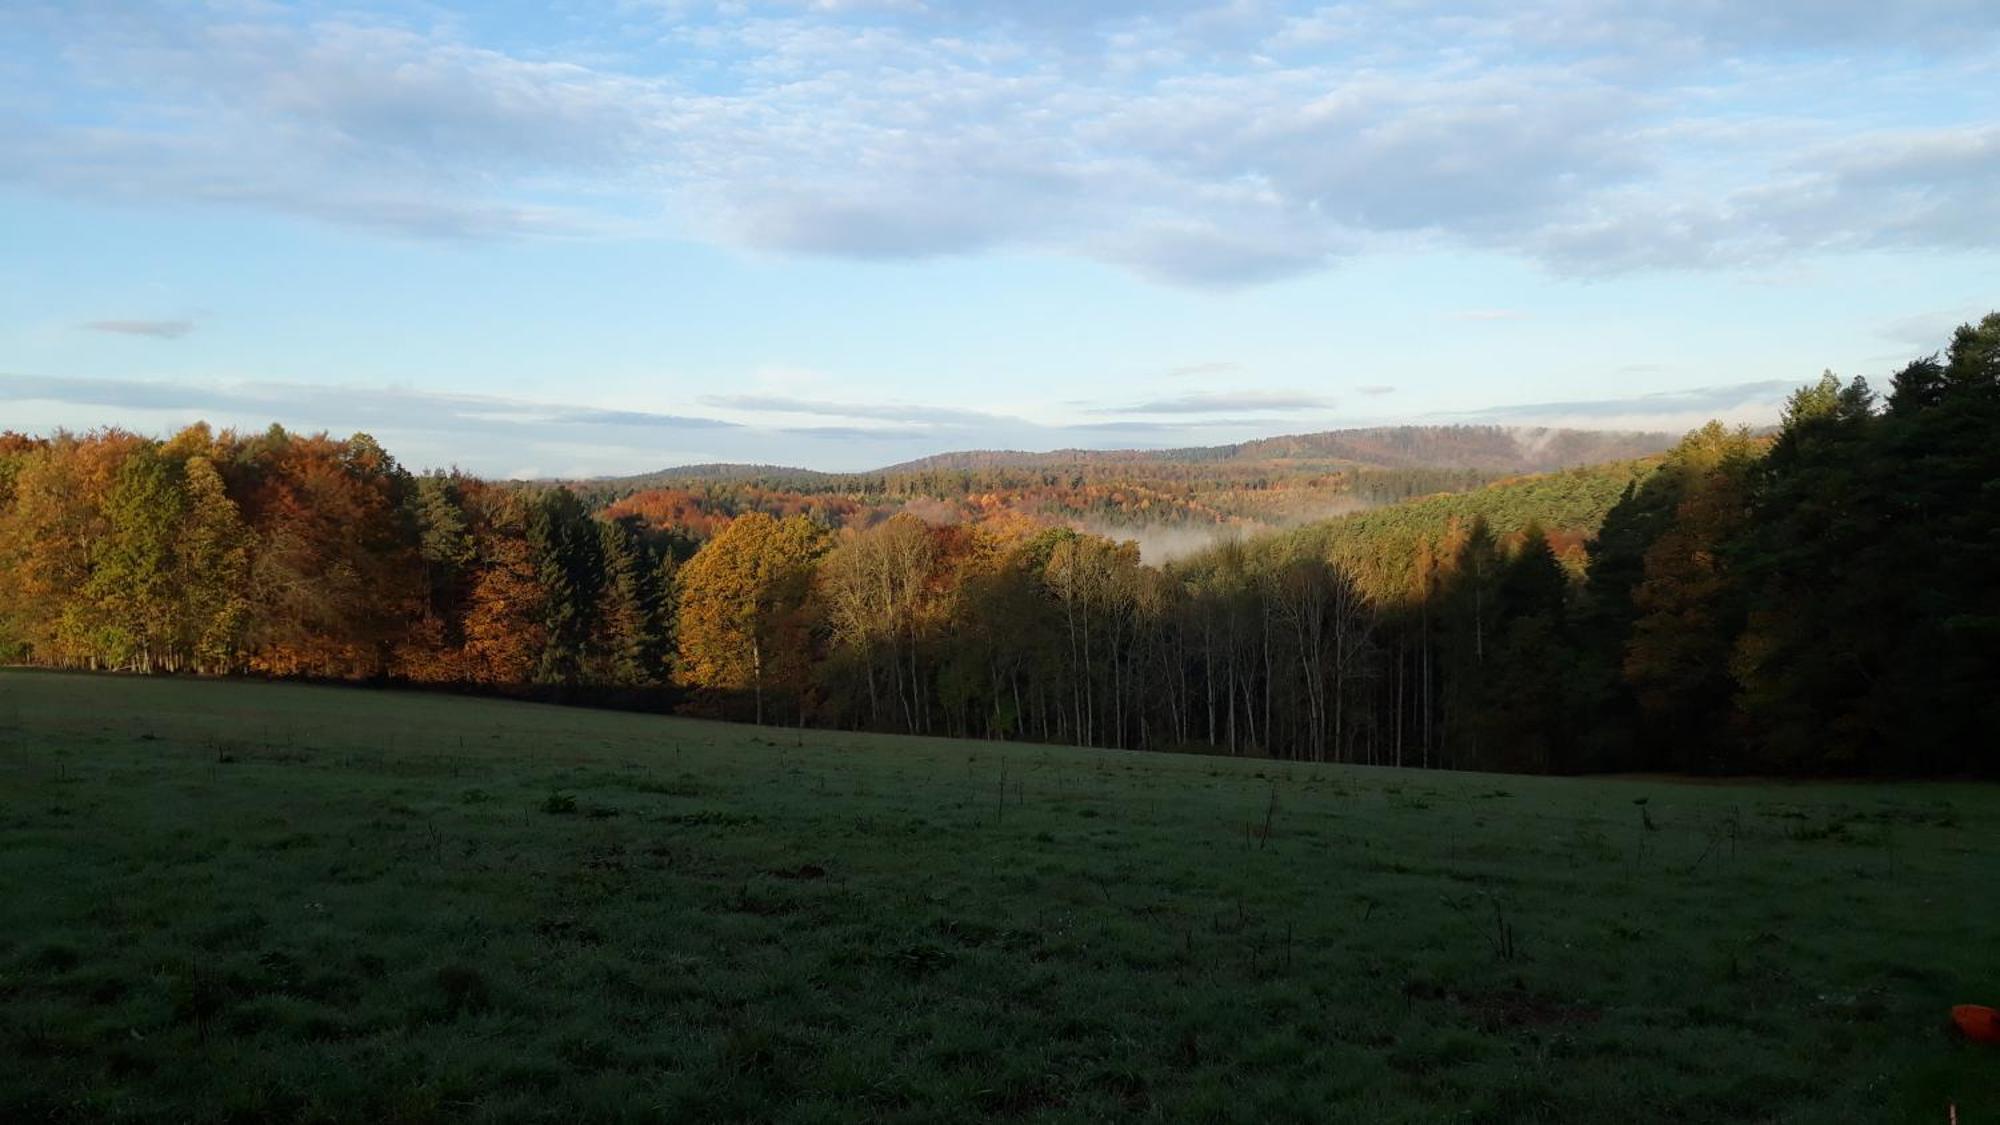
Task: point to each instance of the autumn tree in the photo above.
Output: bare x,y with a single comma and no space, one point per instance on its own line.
335,576
133,599
873,585
212,570
1690,604
742,625
506,617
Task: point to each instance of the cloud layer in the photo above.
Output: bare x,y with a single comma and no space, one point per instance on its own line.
525,438
1199,142
157,329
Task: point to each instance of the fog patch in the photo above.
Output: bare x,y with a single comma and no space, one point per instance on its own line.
1160,544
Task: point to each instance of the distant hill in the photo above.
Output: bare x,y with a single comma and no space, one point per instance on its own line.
1176,497
1489,449
1502,449
1381,546
721,471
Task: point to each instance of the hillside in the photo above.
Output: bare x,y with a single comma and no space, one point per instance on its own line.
1498,449
1257,486
264,902
1819,600
1384,545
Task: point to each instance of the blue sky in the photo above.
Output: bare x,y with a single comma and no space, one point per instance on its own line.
602,236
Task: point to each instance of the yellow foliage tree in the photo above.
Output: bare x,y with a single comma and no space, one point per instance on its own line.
743,597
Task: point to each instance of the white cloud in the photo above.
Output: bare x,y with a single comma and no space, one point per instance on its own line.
1200,142
1223,402
157,329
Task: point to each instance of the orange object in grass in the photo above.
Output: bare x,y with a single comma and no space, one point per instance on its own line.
1980,1024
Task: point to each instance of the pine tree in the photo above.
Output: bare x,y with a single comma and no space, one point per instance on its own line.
626,649
564,540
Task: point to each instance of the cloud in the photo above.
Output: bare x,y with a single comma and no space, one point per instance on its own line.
587,417
1927,332
1190,370
885,412
1214,143
518,437
336,408
1754,403
157,329
1222,402
862,433
1376,390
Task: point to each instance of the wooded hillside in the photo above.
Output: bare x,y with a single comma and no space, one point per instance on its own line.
1817,601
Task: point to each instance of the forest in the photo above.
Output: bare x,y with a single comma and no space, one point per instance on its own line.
1818,600
1248,488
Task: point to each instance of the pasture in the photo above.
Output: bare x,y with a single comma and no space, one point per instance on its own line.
257,902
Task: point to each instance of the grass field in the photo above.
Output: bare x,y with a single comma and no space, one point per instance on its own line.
268,902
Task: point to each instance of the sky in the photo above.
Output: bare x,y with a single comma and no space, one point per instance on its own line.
607,236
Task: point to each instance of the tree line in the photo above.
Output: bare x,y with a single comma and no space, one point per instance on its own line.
1816,600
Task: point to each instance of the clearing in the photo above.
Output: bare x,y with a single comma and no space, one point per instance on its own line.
275,902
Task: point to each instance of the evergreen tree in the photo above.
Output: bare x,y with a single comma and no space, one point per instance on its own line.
569,569
627,647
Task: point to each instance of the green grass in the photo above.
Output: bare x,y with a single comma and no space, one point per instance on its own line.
268,902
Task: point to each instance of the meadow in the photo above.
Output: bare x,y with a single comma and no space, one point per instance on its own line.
257,902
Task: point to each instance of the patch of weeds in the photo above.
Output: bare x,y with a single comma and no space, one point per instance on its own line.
920,959
235,931
1023,1096
1630,931
55,957
1589,839
1844,828
682,786
803,872
1515,1008
559,804
564,927
752,901
197,996
587,1053
974,934
1441,1051
102,989
1939,815
1864,1006
281,969
463,990
474,797
715,818
752,1049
